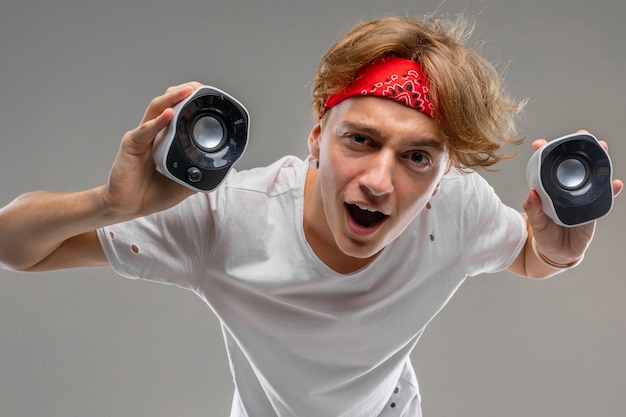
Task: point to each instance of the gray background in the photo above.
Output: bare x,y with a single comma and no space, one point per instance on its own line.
75,75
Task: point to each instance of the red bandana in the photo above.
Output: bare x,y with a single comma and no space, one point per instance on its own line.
402,80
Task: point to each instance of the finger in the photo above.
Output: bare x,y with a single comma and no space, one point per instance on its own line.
604,145
192,84
539,143
536,217
532,204
618,186
171,98
139,140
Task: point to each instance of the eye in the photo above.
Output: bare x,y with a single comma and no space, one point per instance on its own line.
357,141
419,158
360,139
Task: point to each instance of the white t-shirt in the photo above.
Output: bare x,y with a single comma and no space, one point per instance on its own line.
303,340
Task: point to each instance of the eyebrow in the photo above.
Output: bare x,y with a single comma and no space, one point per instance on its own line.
372,131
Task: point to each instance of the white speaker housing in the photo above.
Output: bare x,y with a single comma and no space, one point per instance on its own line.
208,134
573,177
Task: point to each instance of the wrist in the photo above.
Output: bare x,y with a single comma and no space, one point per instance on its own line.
552,264
113,207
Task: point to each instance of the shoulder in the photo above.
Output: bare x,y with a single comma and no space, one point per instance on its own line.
492,232
466,190
467,198
256,192
280,177
465,182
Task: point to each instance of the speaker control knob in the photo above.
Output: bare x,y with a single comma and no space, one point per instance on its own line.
194,174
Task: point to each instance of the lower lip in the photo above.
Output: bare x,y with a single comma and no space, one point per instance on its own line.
359,230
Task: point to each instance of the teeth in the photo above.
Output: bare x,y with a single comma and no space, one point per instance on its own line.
366,208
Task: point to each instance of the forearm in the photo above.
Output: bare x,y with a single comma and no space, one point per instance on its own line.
37,224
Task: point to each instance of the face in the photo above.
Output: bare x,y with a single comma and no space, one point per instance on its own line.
379,164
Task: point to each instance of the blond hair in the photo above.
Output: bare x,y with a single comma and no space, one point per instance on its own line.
477,116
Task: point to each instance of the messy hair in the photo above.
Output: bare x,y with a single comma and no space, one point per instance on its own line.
475,115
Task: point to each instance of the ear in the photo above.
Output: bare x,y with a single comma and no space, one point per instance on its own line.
314,141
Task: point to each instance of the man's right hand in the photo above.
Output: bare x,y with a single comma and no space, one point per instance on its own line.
135,188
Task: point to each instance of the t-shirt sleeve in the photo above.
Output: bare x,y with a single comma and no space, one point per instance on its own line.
495,233
171,246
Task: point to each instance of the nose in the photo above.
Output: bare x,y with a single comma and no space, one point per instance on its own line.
377,178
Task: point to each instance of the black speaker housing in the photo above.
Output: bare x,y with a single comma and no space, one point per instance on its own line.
573,177
208,134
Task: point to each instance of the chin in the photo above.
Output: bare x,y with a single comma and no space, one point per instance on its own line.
361,250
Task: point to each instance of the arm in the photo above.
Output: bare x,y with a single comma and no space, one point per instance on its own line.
560,247
42,230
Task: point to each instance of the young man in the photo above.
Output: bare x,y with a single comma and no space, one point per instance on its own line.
323,272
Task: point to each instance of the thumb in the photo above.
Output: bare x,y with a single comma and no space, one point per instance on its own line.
537,219
139,140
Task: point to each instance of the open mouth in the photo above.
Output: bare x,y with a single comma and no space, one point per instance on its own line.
364,216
